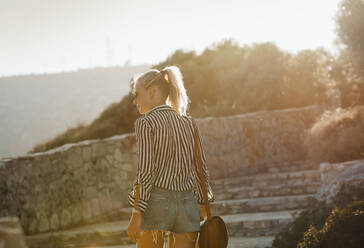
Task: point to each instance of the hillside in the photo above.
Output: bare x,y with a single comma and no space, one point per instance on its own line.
227,79
35,108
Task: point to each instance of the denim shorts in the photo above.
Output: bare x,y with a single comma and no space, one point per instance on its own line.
174,211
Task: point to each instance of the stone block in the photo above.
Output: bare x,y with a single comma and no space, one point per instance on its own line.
105,201
74,160
86,210
98,150
118,165
110,159
76,212
118,198
342,182
111,148
54,222
118,156
91,179
95,207
66,218
33,225
43,225
105,166
91,192
86,166
106,169
121,180
127,166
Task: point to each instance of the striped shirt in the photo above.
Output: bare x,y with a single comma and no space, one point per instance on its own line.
165,147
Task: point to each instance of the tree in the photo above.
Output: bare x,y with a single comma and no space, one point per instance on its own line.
350,29
350,66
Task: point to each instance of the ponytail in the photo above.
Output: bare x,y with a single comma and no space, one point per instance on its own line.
177,97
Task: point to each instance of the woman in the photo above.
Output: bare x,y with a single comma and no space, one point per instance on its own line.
167,194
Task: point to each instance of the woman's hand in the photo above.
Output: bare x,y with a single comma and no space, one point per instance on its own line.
134,226
202,211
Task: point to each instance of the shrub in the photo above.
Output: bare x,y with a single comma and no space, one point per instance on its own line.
343,228
345,129
293,233
348,193
314,219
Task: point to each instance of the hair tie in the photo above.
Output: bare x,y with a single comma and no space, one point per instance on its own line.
164,73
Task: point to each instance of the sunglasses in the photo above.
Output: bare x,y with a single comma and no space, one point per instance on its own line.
135,93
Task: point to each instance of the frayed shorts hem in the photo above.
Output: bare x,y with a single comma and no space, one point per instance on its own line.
166,229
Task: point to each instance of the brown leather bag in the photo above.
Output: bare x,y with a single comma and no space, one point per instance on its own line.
213,232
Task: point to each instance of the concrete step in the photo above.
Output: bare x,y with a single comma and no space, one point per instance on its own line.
103,234
262,204
268,179
234,242
292,166
258,224
251,242
263,191
113,234
113,246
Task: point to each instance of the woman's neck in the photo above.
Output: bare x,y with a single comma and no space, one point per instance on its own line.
155,105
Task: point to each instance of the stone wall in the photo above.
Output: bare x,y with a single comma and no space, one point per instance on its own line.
69,185
341,183
78,183
250,143
329,171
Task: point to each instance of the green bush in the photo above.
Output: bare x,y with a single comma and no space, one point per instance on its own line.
314,219
293,233
345,129
343,228
349,193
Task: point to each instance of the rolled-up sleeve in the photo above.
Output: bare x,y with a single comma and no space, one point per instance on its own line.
198,186
145,165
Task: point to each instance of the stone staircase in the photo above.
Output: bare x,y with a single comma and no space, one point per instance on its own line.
254,207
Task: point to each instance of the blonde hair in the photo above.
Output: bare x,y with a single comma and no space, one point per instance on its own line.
170,82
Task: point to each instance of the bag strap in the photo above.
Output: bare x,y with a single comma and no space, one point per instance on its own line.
200,170
137,192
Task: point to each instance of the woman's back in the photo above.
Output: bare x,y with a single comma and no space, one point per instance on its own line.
165,144
172,147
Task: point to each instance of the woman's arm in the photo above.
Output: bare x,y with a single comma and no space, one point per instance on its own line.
145,170
198,188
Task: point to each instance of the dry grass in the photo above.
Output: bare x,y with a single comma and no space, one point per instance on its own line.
337,136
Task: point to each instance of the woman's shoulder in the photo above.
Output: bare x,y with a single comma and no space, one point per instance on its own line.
155,120
151,120
189,118
142,120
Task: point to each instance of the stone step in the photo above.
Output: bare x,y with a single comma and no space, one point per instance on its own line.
113,246
254,203
113,234
262,204
258,224
263,191
251,242
103,234
234,242
268,179
292,166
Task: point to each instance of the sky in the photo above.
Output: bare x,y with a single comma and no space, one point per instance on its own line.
46,36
